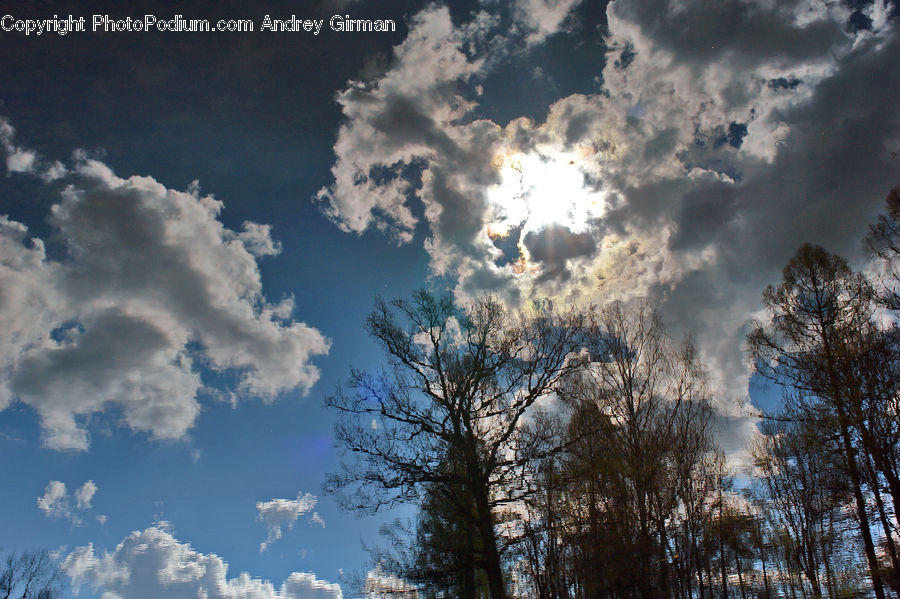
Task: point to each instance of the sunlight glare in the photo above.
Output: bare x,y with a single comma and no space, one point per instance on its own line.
537,190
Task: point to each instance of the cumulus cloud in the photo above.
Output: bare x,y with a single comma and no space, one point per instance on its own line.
150,287
56,502
284,512
396,120
725,136
153,563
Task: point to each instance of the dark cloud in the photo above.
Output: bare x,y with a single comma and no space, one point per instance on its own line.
726,134
705,214
834,167
554,245
750,32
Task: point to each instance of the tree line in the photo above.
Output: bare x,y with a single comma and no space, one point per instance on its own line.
567,454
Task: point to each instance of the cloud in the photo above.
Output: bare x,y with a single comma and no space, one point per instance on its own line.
725,136
150,289
23,160
400,118
380,584
85,494
52,501
56,502
284,512
18,160
153,563
555,244
542,18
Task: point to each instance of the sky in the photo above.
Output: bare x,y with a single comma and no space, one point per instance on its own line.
194,226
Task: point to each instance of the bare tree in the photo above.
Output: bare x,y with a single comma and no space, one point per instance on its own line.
811,342
654,398
29,575
883,241
637,443
456,390
804,488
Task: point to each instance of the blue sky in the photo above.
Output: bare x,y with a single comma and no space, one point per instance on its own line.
196,226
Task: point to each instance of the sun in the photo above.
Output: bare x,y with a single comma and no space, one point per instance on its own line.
540,189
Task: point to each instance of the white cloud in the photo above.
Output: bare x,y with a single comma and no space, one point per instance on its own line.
284,512
52,502
152,563
20,161
23,160
543,18
726,135
257,239
85,494
151,285
56,502
395,120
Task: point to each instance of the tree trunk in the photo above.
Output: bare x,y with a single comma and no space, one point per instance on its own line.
740,573
664,587
762,557
491,555
722,546
696,560
865,529
882,515
468,574
812,568
826,560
